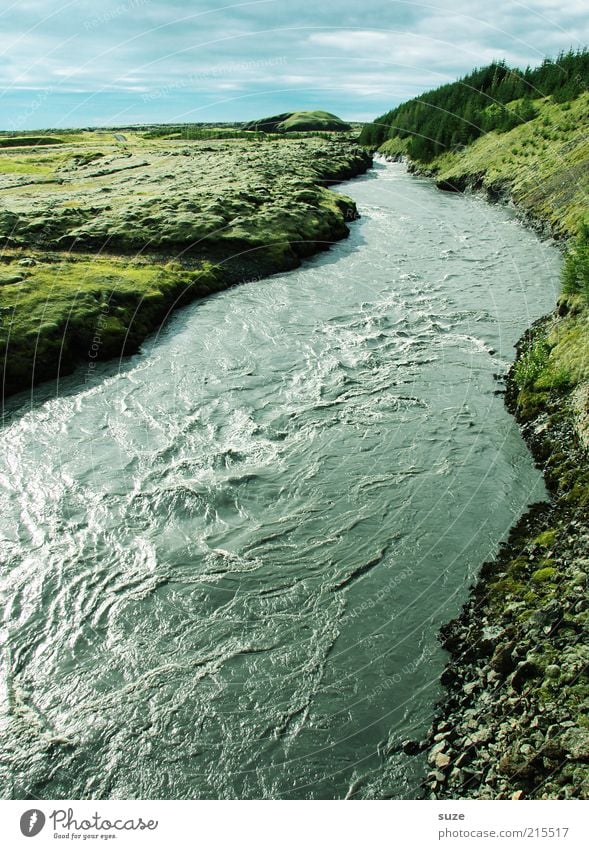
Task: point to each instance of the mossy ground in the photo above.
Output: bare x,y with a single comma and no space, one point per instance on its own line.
102,238
68,308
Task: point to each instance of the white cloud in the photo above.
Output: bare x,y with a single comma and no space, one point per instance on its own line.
327,49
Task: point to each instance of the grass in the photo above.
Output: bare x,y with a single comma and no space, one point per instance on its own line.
22,165
569,347
543,162
83,206
55,314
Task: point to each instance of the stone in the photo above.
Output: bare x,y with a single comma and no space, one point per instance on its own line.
411,747
11,279
525,672
502,661
553,671
441,760
465,758
439,747
575,742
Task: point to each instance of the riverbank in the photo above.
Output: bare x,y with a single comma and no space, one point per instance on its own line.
513,723
102,239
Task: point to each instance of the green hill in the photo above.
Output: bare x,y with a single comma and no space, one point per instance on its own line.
300,122
495,98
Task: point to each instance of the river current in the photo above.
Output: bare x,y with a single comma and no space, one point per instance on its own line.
225,561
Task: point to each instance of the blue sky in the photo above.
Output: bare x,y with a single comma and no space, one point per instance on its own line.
71,63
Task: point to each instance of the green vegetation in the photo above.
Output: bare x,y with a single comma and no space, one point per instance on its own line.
542,168
495,98
522,136
100,241
300,122
531,364
546,539
195,132
28,141
64,309
575,274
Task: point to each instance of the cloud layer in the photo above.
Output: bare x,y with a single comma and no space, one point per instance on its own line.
76,63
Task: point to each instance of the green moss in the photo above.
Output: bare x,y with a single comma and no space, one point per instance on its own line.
289,122
59,310
22,165
507,587
546,539
546,573
530,403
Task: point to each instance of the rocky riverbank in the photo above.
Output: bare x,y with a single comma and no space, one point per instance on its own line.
102,239
514,723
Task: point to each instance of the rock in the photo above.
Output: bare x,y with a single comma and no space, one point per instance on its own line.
464,758
11,279
439,747
553,750
411,747
480,736
441,760
553,671
502,661
525,672
575,742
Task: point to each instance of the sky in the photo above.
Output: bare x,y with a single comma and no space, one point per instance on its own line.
78,63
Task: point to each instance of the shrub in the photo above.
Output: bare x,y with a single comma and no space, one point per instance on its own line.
575,273
531,364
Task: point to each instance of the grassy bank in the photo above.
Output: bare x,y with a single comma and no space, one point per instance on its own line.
102,238
541,165
514,722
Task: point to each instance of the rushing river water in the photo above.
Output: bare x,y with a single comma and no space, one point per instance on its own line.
224,566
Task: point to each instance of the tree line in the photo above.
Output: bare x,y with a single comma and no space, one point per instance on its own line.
492,98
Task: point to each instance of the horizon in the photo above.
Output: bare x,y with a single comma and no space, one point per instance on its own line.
140,62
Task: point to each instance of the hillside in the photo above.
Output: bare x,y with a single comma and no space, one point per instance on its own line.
300,122
495,98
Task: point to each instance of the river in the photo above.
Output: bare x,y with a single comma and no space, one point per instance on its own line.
225,561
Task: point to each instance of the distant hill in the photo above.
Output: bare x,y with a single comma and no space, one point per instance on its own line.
299,122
